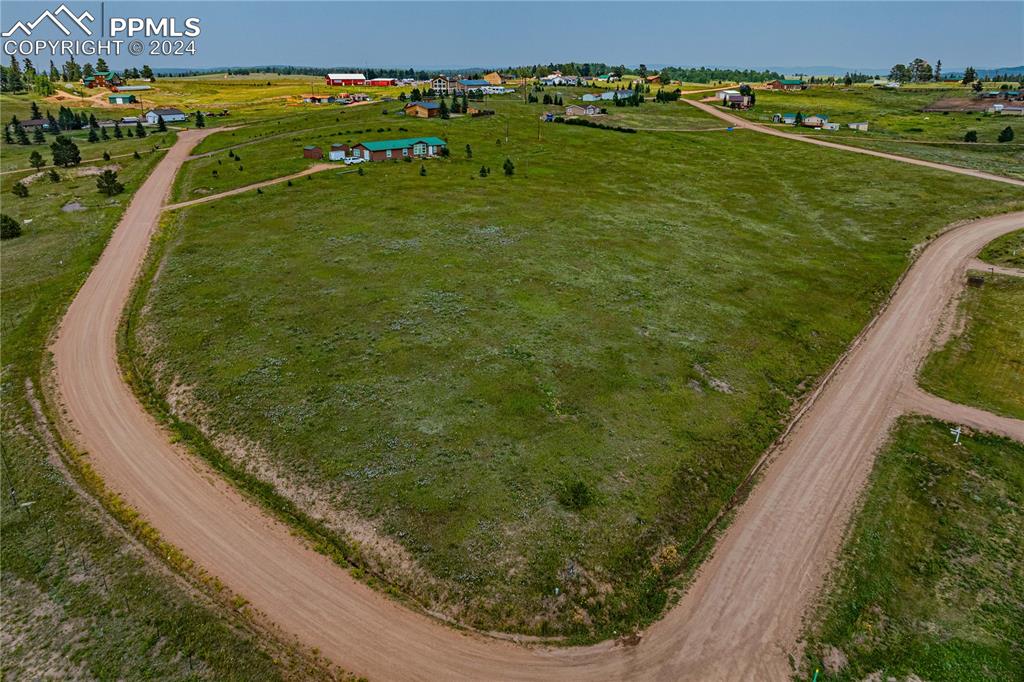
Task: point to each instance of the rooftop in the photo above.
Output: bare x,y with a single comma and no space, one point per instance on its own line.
382,145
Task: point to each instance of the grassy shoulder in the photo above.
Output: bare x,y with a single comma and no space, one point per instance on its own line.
1008,250
553,380
81,598
929,580
983,366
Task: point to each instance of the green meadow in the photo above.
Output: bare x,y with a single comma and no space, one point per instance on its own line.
541,387
1008,250
984,364
81,598
928,585
898,124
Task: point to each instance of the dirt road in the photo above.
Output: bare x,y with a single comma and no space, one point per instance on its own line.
739,122
315,168
743,609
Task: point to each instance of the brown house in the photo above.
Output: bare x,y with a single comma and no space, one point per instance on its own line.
312,152
423,109
794,84
494,78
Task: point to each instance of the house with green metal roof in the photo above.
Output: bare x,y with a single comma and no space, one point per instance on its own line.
786,84
404,148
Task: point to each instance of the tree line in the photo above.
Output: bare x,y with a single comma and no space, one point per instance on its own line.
27,77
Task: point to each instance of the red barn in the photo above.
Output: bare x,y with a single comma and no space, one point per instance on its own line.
382,82
345,79
312,152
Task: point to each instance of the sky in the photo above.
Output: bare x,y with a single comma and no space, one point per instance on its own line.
425,34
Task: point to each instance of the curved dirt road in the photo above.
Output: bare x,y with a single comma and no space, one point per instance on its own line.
744,606
739,122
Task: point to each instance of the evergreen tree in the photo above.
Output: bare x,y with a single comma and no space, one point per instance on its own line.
20,135
444,109
104,135
161,127
65,152
101,64
200,120
508,167
108,184
469,152
423,170
1006,134
19,189
38,137
35,111
970,75
139,130
54,125
93,123
35,159
53,175
93,137
938,70
9,227
971,136
106,156
117,131
7,135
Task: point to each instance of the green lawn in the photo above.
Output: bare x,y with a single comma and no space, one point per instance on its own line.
929,581
80,600
1008,250
984,366
538,381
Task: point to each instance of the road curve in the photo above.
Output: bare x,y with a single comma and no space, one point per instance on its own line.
743,609
739,122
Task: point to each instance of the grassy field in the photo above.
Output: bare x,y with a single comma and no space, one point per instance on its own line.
552,380
1008,250
929,581
898,125
984,365
80,598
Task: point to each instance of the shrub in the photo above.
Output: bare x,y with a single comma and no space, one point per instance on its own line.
575,495
971,136
1006,134
53,175
108,184
19,189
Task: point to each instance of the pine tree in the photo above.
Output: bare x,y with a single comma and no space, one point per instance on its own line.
7,135
161,127
93,137
508,167
21,135
35,159
53,175
107,183
9,227
65,152
971,136
423,170
469,152
444,109
35,111
19,189
104,134
117,131
38,137
200,120
139,130
1006,134
938,70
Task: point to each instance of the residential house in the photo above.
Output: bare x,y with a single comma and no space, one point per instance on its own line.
101,79
616,94
31,124
169,114
122,98
786,84
737,101
654,80
423,109
312,152
345,79
784,118
470,85
608,78
860,125
722,94
410,147
582,110
814,121
442,85
338,152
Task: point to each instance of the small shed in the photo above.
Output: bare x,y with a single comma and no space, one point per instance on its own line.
859,125
126,98
312,152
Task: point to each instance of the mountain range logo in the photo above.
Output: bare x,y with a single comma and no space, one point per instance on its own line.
77,20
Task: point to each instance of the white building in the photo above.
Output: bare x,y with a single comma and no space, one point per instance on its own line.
170,115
